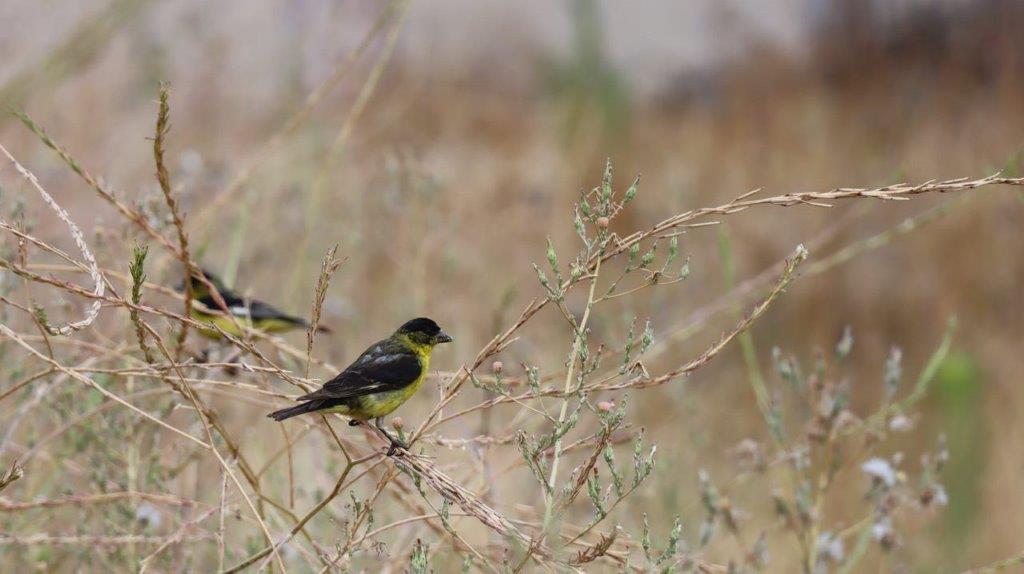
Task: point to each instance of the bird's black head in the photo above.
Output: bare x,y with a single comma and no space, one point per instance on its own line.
423,331
198,288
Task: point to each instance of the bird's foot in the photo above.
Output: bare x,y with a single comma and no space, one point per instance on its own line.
395,445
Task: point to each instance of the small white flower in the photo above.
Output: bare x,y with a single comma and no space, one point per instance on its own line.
148,515
882,529
831,547
901,423
881,469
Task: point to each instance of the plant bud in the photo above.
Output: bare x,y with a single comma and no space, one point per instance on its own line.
497,367
602,222
605,406
398,423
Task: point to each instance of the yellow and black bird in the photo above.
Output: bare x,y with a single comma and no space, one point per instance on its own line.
379,381
246,312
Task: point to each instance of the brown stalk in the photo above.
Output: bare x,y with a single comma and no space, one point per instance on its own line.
164,179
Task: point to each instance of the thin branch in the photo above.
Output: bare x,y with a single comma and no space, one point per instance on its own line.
79,239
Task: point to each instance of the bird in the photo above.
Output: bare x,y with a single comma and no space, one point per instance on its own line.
246,312
382,378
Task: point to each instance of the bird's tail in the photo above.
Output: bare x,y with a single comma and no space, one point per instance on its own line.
295,411
304,324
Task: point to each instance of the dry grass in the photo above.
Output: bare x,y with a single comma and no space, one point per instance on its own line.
132,447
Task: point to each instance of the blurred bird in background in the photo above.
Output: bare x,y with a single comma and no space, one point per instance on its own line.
246,312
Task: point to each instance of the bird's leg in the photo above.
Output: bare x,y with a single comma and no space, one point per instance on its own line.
395,443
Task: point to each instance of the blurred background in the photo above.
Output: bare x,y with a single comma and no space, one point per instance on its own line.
440,168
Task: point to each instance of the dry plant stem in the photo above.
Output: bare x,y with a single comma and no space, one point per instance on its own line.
89,540
341,139
79,239
883,238
76,51
164,179
221,548
12,475
785,278
283,450
176,538
701,316
444,485
407,520
207,418
45,247
896,192
82,378
291,467
327,269
449,489
921,385
353,526
644,382
241,344
27,381
458,542
356,523
339,484
999,566
405,496
215,204
578,341
457,495
129,213
207,414
86,499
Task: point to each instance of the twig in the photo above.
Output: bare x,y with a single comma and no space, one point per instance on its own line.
89,540
327,269
79,239
215,203
129,213
12,475
103,498
82,378
164,179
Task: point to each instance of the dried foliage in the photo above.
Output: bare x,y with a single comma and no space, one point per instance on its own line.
159,460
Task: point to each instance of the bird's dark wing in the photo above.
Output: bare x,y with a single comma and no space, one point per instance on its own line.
259,311
386,366
231,299
250,308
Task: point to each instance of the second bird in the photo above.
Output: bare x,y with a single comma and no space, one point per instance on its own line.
246,312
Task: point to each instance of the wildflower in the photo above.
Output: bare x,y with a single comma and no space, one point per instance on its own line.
880,469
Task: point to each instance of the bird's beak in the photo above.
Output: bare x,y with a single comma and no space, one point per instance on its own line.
442,337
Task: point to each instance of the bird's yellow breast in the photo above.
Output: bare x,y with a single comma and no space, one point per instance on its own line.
382,404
